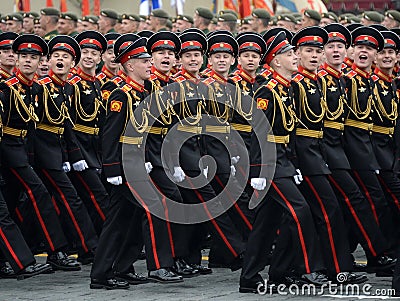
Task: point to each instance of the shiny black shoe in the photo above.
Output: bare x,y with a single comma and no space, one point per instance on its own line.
86,258
203,270
316,278
33,270
254,288
381,264
181,268
6,272
109,284
359,267
164,276
60,261
131,278
350,278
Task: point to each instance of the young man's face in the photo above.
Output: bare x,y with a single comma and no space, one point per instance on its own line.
27,25
103,23
221,61
310,57
163,60
8,58
43,68
28,63
141,67
14,26
192,61
288,60
364,56
335,52
249,60
64,26
386,59
108,59
129,26
90,58
61,62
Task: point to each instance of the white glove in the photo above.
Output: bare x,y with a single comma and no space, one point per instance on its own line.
235,159
233,170
66,167
205,172
148,167
179,174
377,171
80,165
298,178
258,183
115,180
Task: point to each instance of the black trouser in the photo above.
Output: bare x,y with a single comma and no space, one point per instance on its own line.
91,190
358,213
329,223
126,216
25,178
283,207
396,275
73,211
372,190
12,243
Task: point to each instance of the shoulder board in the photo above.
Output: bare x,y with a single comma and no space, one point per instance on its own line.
74,80
180,79
126,88
298,78
44,80
101,76
236,78
266,73
208,81
322,73
374,77
271,84
12,81
351,74
344,66
116,80
153,77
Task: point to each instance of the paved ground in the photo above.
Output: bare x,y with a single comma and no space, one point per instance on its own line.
221,285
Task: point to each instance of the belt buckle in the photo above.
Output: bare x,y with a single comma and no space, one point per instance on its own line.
341,127
60,131
320,134
370,126
286,139
96,131
164,131
391,131
23,133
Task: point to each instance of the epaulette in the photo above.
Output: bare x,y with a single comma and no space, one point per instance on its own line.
206,72
374,77
236,72
322,73
44,81
153,77
12,81
116,80
351,74
180,79
265,73
101,76
126,88
271,84
208,81
344,66
298,78
236,78
76,79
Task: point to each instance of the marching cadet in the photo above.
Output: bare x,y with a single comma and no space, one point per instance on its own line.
357,210
18,99
287,21
367,42
48,21
90,23
7,55
129,217
86,111
310,108
37,28
53,129
275,100
110,68
392,19
348,60
67,23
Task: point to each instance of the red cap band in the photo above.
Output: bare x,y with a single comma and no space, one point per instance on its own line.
162,43
250,44
30,46
390,42
278,47
366,38
64,45
191,44
221,45
333,35
6,42
310,39
91,41
128,55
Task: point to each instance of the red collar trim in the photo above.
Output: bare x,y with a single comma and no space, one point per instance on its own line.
23,79
247,77
56,79
4,73
280,79
218,77
85,76
135,85
189,75
107,72
384,76
160,75
348,62
332,71
360,72
307,73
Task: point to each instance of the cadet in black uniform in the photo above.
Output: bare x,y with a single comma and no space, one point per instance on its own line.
356,208
86,111
18,98
7,55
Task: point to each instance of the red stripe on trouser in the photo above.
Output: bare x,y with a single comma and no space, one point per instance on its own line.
328,224
9,247
396,201
19,215
213,221
152,236
53,200
299,229
354,214
35,206
364,188
244,218
170,236
70,213
92,197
